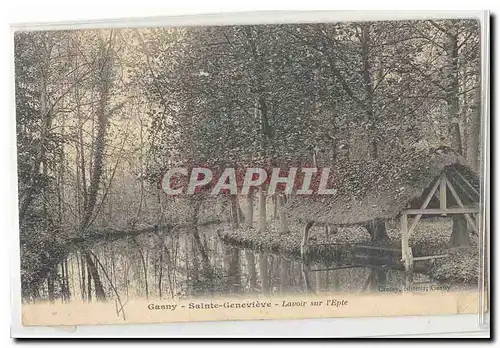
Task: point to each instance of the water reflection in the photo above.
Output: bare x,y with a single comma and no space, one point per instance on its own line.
196,263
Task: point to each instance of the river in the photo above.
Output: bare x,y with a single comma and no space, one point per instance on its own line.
196,263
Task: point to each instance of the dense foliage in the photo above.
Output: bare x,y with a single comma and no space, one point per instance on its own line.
101,113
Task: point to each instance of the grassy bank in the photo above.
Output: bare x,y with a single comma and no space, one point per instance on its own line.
462,266
431,237
289,243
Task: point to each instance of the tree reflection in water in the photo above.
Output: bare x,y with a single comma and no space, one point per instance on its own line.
196,263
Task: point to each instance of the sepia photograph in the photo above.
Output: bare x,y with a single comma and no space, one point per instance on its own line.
250,171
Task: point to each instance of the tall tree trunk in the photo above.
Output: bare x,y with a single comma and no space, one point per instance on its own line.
262,210
368,85
261,107
207,268
141,164
236,268
89,281
60,188
104,86
81,164
239,213
274,201
235,220
282,215
249,215
84,286
459,234
50,286
160,271
232,266
459,230
252,273
264,272
144,271
377,229
226,262
65,281
28,195
452,89
99,288
284,277
474,151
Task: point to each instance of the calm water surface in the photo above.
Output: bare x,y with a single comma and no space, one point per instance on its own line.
195,263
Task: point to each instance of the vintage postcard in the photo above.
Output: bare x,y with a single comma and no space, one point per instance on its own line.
241,171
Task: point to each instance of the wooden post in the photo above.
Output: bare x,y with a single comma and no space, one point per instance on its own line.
405,249
305,237
424,205
403,227
442,193
461,205
408,279
409,259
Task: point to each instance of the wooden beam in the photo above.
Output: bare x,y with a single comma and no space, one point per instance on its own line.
408,279
429,196
423,206
467,182
409,260
305,275
404,237
335,268
414,223
370,247
459,202
436,194
305,236
461,210
423,282
464,190
442,192
421,258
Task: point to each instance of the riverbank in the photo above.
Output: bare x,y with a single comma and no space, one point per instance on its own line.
38,259
46,252
430,238
108,234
